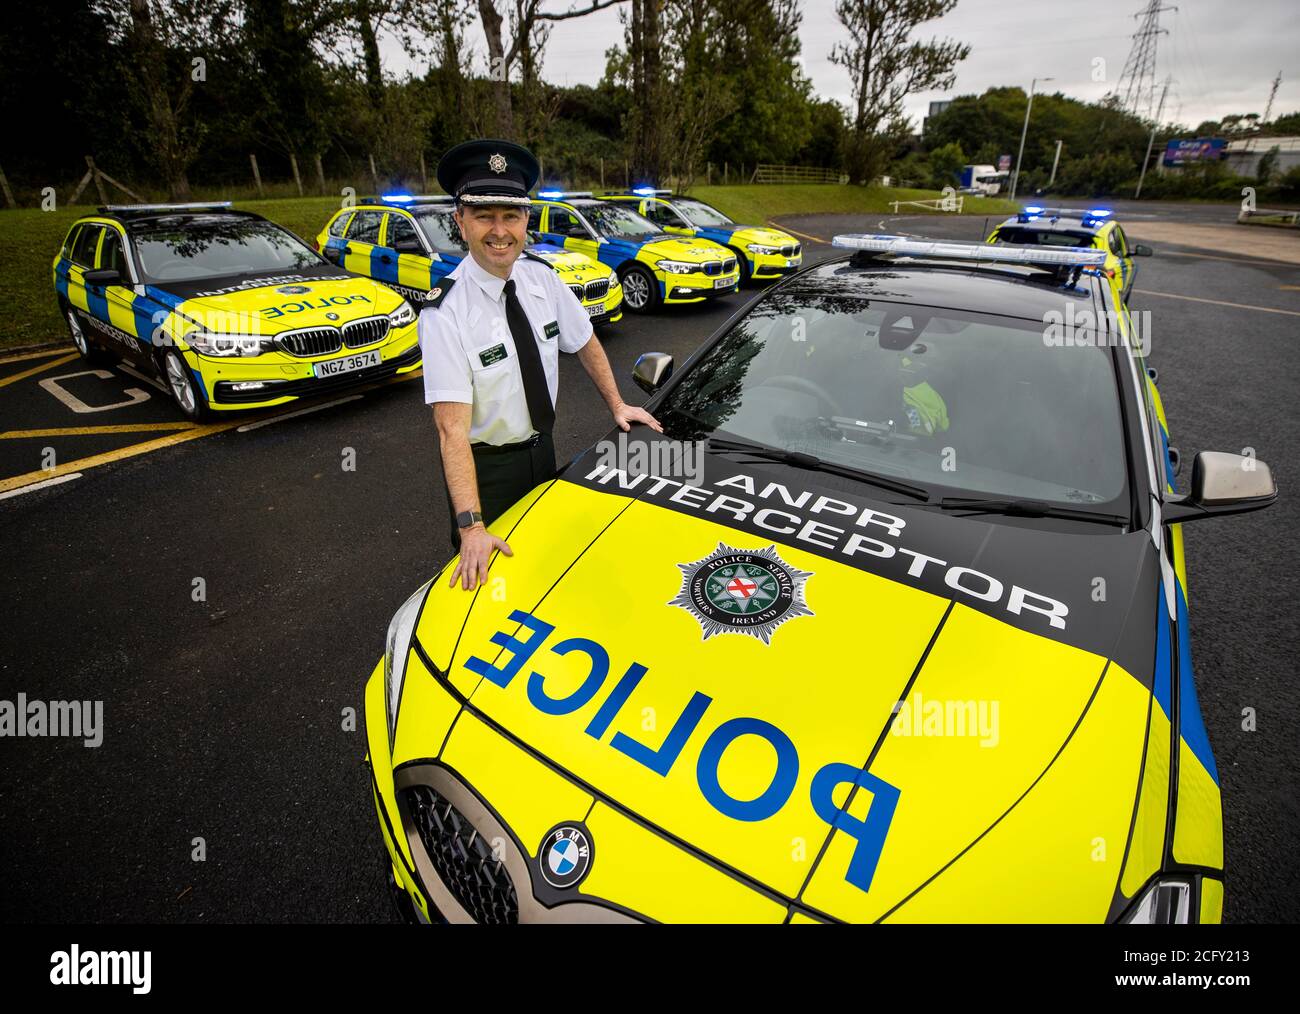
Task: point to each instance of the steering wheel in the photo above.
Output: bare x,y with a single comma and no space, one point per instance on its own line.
806,386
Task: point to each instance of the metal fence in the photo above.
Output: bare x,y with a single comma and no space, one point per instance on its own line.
765,172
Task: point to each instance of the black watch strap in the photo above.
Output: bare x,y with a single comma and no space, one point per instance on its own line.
466,518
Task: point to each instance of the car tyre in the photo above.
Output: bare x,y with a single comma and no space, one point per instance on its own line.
640,289
86,346
181,386
746,275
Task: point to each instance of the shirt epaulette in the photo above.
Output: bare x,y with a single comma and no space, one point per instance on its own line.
537,257
434,297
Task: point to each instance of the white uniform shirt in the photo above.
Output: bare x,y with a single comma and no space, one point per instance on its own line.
469,353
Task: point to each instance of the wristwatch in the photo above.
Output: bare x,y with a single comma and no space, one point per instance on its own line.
466,518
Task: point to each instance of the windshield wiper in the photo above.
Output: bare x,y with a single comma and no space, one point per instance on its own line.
1021,508
815,464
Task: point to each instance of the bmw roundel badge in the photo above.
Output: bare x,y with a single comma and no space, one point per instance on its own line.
331,316
565,856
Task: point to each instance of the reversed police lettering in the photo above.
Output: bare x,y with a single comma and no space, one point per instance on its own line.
561,854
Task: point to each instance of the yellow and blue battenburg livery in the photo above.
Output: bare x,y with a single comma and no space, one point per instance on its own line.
764,253
410,242
655,267
795,660
228,309
1034,225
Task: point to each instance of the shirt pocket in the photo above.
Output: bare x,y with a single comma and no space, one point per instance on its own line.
493,380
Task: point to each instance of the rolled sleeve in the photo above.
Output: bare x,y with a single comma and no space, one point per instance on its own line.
447,374
575,324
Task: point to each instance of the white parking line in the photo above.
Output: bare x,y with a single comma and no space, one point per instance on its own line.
1216,302
290,415
40,485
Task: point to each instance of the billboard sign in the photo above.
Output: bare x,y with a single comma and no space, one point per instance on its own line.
1202,149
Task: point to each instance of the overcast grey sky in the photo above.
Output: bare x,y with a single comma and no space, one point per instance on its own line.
1222,54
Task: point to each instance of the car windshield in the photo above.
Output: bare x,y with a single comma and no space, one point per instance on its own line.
1043,237
700,213
188,251
940,398
618,222
441,230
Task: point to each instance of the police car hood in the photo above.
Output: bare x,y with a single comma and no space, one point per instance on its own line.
745,234
569,263
268,303
1016,747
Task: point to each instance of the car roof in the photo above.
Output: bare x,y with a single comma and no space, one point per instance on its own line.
1055,225
1007,290
143,216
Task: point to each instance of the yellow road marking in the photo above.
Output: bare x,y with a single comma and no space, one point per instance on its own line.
36,369
193,433
93,431
1289,288
120,454
796,232
1218,302
20,357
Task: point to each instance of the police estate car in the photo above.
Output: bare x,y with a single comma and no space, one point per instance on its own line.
762,252
1078,227
410,242
889,624
655,267
229,310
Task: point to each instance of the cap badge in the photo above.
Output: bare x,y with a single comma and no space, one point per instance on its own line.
497,163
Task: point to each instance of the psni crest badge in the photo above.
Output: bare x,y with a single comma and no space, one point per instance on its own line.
735,591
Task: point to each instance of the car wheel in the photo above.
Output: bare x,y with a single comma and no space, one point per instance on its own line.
640,289
743,262
184,391
90,352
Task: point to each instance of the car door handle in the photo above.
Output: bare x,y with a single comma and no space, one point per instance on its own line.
385,259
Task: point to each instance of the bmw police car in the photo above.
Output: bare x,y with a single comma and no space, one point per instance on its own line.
229,310
655,267
889,624
1077,227
410,242
762,252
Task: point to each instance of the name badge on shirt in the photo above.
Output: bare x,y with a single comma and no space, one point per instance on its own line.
552,330
493,355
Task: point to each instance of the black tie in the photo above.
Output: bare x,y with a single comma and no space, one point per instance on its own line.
536,392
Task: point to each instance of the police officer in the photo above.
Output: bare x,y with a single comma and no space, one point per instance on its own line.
490,334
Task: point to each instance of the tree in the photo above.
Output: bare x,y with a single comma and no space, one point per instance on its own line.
886,66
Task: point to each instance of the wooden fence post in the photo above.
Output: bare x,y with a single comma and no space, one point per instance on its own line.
293,164
9,195
602,173
424,176
94,175
257,176
320,174
374,173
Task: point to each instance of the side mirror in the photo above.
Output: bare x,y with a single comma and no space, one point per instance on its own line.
102,276
652,369
1222,484
1141,250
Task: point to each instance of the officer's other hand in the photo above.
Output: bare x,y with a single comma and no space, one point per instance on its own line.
625,415
476,547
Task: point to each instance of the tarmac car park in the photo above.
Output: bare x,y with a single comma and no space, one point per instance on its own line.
410,242
1082,227
655,267
229,310
763,253
893,533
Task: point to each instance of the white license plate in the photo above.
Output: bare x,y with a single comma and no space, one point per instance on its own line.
723,283
348,364
596,310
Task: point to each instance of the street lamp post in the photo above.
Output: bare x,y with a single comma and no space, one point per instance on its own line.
1015,179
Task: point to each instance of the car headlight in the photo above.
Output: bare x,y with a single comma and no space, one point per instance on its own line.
678,267
396,647
613,280
766,251
228,345
1165,903
402,316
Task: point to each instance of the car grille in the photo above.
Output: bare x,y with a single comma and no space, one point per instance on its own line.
713,267
790,251
597,289
577,291
316,341
462,858
729,265
357,333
